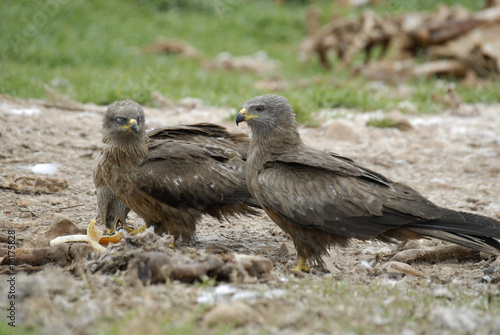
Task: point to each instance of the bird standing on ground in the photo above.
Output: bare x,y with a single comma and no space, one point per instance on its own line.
167,180
321,198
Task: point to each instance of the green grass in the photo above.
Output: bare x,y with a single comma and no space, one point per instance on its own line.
92,51
19,329
382,123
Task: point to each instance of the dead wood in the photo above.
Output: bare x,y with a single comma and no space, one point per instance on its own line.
440,67
158,267
453,40
61,255
436,254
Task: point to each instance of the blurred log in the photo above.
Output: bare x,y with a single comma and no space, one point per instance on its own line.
454,40
61,255
485,58
440,67
437,32
347,37
158,267
436,254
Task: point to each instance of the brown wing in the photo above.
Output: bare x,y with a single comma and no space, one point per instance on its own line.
193,175
332,162
207,133
344,199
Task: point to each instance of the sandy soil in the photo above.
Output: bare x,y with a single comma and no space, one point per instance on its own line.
451,158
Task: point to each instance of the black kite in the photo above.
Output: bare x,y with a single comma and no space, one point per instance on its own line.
322,198
169,176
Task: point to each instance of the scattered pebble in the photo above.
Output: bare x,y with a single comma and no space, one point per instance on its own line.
342,130
26,202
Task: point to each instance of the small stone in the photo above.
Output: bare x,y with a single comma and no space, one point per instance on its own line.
59,225
343,131
237,313
62,226
25,202
400,121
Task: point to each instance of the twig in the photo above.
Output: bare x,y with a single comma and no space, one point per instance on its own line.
60,209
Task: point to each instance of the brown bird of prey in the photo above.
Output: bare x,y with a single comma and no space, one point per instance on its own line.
321,198
170,176
114,212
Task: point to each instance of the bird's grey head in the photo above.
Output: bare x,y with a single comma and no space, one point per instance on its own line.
267,112
123,122
115,215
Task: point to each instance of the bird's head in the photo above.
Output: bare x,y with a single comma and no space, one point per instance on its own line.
266,112
124,122
116,215
112,211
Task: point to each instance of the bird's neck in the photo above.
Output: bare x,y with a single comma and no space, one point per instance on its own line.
127,153
266,143
278,139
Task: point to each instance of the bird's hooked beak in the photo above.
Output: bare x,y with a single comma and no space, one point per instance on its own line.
117,224
132,125
243,116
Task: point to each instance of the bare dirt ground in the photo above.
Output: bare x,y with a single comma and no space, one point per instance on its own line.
453,159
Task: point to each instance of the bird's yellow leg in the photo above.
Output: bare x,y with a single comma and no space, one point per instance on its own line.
302,265
172,245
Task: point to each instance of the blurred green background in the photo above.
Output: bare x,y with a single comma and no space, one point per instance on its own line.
93,51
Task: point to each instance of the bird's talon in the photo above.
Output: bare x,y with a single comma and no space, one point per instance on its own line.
133,231
128,229
302,265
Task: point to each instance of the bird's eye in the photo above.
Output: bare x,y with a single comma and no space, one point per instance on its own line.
259,108
110,217
119,120
139,119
